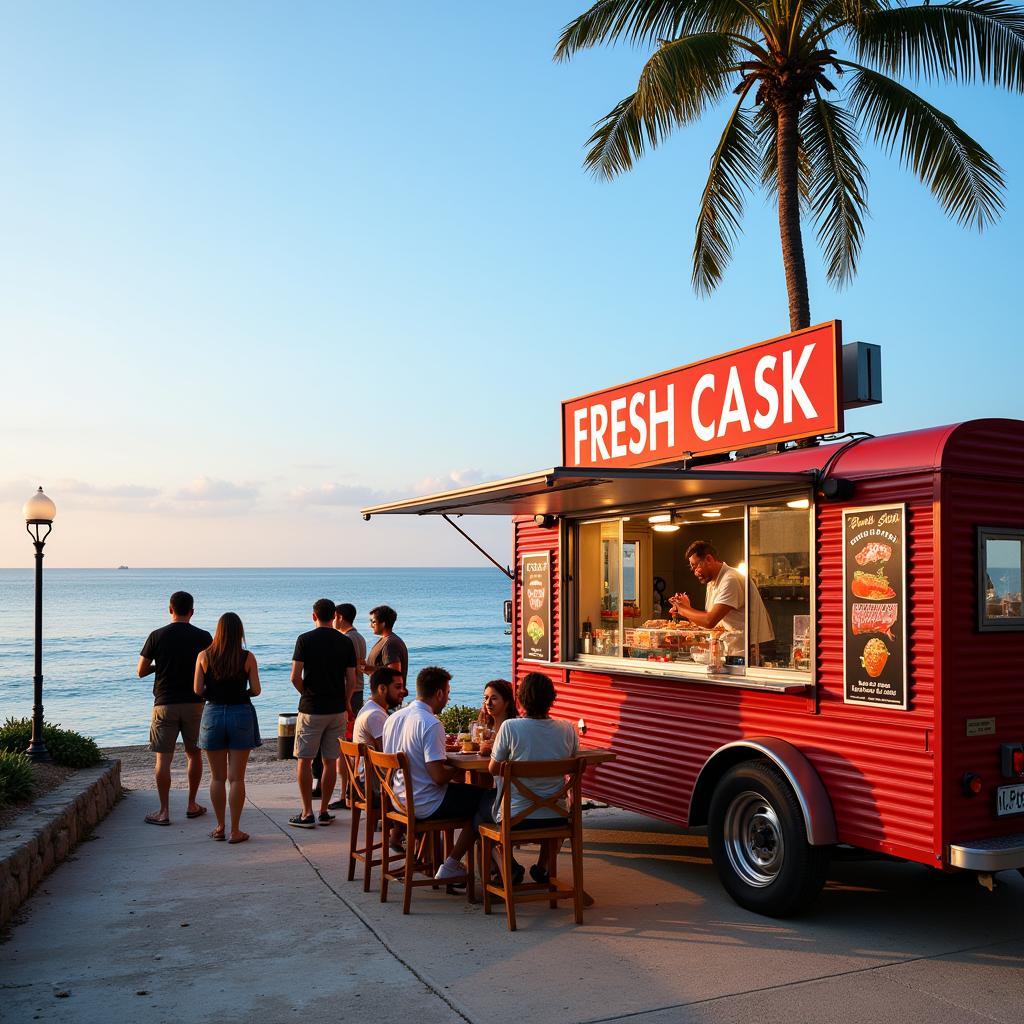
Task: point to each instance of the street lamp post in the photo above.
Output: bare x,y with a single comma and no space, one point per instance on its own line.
39,512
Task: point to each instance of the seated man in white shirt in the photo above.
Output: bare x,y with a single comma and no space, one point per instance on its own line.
387,691
417,732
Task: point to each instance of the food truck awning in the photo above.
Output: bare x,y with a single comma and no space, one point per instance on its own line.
575,491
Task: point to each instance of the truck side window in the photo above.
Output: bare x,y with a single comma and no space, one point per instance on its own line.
1000,562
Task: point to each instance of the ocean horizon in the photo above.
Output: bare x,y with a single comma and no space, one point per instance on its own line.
96,620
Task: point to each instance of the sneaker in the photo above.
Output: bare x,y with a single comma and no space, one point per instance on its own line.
518,872
449,869
539,874
337,805
302,822
324,818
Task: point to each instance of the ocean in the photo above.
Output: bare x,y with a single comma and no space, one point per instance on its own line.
96,620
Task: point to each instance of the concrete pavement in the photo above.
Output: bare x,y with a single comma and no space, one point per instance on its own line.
153,925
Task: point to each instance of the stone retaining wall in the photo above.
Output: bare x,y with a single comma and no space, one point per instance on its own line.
44,835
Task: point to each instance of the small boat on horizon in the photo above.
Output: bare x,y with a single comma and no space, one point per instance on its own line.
122,567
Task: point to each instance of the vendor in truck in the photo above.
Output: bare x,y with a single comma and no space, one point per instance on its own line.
726,597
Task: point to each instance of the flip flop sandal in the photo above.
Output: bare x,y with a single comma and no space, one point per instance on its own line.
217,835
195,814
152,819
243,838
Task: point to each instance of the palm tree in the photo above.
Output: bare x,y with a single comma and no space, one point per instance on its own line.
795,131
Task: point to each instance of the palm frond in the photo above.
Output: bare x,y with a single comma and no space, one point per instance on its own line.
676,86
838,187
734,170
649,21
962,40
960,172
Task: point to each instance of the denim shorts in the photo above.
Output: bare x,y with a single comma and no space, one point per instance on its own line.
229,727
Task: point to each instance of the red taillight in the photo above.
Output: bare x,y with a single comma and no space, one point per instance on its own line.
1012,760
971,784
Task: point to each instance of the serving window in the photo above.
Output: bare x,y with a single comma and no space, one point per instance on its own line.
630,570
1000,566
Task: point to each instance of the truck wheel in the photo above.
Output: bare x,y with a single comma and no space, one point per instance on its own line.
759,844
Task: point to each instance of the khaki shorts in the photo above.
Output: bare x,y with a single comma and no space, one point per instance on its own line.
169,720
319,733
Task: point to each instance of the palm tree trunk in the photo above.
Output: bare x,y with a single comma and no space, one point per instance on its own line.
787,151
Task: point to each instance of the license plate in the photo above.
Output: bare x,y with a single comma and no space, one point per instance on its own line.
1010,799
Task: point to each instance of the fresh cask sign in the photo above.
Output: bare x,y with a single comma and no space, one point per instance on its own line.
875,605
535,608
775,391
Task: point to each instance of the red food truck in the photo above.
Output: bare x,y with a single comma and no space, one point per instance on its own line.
870,689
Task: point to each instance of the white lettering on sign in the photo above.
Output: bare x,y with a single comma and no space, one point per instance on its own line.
792,388
605,427
666,416
734,409
638,423
701,429
763,420
782,389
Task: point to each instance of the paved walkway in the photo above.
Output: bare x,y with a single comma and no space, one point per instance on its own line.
161,924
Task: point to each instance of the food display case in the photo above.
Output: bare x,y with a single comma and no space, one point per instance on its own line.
667,640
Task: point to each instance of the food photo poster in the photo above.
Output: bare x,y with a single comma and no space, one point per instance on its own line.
535,617
875,606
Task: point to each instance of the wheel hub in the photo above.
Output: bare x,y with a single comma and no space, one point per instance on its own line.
753,839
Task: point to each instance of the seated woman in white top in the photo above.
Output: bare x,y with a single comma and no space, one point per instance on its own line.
537,737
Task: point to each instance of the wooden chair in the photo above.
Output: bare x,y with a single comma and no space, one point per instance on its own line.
566,803
423,847
363,803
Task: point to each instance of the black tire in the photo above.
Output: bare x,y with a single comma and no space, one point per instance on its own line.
759,844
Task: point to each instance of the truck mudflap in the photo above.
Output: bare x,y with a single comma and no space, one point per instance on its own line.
1000,854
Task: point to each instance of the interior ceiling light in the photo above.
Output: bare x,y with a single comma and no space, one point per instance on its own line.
712,514
799,503
665,527
742,568
661,517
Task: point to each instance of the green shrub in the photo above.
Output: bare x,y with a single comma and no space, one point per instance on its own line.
16,778
66,746
457,717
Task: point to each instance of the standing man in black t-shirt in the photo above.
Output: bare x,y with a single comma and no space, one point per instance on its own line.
324,673
171,653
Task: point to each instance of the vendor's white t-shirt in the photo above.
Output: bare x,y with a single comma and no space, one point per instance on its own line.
418,733
730,589
533,739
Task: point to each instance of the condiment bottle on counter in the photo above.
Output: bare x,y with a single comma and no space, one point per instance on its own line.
587,636
714,655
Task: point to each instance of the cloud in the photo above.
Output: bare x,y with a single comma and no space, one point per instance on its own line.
80,488
205,489
16,490
455,480
355,495
360,495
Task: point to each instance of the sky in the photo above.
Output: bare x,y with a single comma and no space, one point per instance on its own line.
262,264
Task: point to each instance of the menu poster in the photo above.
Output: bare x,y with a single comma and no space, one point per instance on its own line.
875,606
535,611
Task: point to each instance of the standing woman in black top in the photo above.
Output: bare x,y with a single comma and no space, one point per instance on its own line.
227,676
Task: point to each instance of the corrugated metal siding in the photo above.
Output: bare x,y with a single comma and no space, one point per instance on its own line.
875,762
983,672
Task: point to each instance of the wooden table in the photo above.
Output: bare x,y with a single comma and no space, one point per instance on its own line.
478,763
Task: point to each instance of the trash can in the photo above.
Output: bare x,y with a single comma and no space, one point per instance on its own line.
286,735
